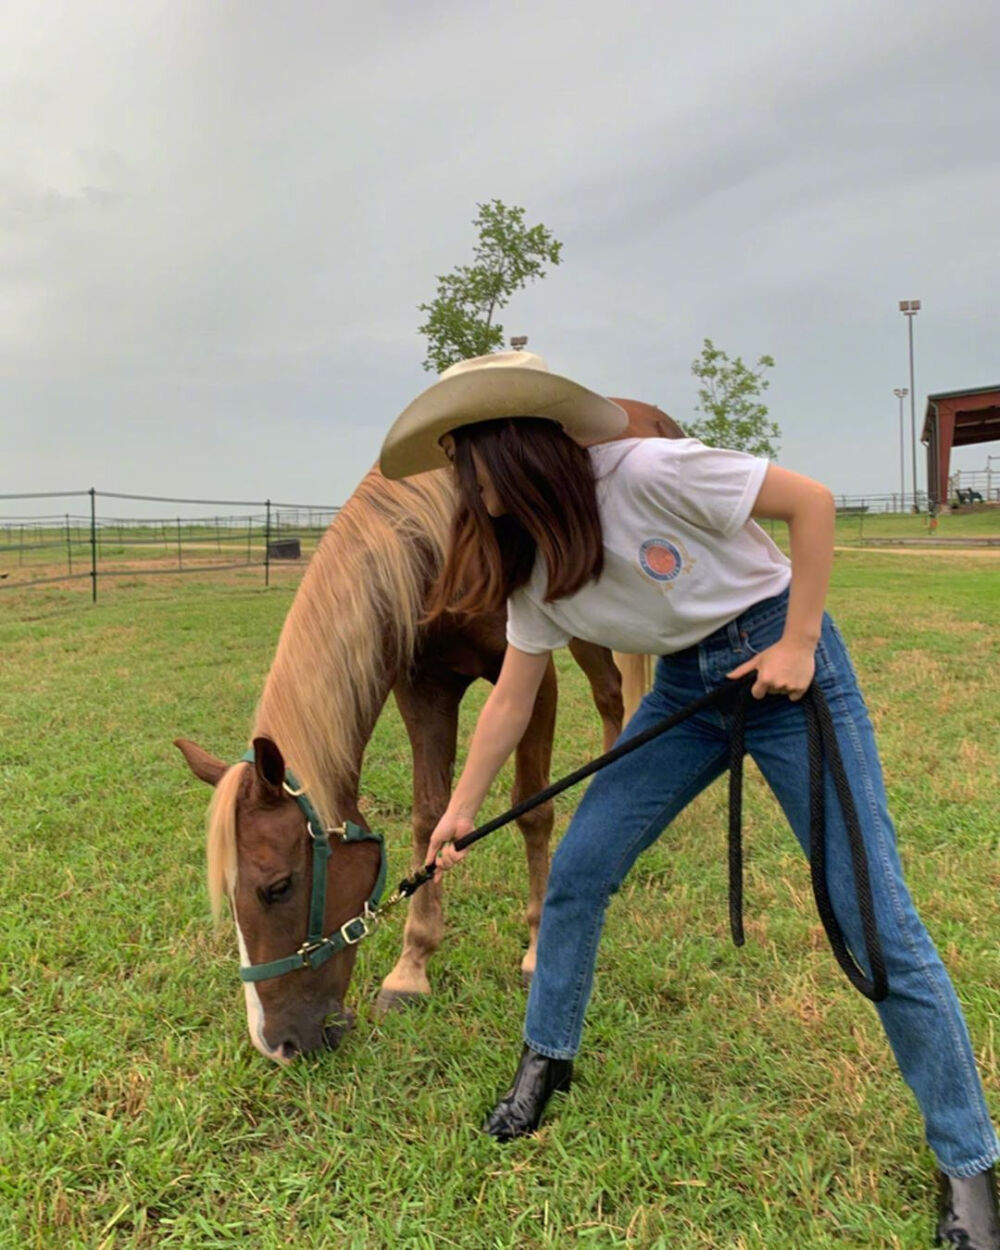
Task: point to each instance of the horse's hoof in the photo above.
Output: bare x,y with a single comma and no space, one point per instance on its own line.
397,1000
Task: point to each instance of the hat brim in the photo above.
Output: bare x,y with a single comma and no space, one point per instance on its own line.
413,444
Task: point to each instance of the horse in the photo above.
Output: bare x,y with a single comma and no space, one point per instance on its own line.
354,633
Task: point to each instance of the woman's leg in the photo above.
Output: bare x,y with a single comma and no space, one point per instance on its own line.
921,1015
625,809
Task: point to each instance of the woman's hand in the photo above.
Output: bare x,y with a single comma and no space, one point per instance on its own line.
785,668
440,853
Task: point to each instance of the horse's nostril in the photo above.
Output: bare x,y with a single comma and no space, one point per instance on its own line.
336,1029
288,1049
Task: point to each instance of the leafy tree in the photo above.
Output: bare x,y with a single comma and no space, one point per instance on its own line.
730,396
508,256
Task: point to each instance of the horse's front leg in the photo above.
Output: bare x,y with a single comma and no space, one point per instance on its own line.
430,712
533,761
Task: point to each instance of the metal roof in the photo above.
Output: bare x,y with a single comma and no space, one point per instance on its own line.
975,390
978,423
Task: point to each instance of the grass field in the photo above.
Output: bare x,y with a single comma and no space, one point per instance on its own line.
724,1099
950,528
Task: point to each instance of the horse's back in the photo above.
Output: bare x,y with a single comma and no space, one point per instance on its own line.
647,421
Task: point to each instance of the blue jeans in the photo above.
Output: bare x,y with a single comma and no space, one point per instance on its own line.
632,801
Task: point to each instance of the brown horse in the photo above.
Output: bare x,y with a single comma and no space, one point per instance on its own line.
352,635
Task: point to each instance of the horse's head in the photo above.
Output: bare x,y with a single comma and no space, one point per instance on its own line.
292,897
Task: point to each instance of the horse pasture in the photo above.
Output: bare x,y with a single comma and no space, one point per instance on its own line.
725,1098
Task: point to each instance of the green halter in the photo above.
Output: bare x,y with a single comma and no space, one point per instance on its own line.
317,949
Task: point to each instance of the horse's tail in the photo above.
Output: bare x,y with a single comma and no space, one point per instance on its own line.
637,678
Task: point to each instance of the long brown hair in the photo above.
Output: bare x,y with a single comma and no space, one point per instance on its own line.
545,481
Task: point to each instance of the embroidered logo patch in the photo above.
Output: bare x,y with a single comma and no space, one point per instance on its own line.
660,559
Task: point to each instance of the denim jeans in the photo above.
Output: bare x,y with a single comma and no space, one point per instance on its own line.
632,801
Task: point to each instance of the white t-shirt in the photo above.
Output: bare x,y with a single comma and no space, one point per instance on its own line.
681,555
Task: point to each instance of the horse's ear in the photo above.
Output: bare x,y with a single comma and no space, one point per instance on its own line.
204,766
269,767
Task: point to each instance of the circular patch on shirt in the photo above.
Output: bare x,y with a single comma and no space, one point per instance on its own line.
660,559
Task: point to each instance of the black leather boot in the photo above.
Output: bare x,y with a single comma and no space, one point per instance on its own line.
518,1113
968,1213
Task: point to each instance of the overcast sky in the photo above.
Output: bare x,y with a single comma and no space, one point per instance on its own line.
217,220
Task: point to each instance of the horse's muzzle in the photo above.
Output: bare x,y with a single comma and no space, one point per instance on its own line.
337,1027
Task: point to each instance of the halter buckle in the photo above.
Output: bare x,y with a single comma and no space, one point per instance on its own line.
308,949
324,835
360,927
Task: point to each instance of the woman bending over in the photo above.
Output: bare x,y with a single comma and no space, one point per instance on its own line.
652,546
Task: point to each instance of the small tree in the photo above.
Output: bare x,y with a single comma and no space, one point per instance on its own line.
729,396
508,256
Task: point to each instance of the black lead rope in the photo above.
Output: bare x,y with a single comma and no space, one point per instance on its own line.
822,744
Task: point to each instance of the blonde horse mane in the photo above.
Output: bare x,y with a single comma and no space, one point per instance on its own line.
221,839
353,621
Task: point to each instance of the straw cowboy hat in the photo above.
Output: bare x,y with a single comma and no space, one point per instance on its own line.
506,384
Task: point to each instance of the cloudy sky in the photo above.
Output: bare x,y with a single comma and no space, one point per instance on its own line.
217,219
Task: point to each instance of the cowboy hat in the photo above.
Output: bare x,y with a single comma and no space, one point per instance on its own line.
506,384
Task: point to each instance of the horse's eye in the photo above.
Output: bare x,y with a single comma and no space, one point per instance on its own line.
276,891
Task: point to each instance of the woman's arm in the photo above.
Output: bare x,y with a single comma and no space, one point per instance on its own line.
499,729
808,508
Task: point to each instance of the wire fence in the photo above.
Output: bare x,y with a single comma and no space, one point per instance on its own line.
965,487
90,536
44,542
891,503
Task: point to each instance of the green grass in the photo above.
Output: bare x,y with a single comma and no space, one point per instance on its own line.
725,1098
951,528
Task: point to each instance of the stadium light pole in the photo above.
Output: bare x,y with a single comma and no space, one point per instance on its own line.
909,308
901,393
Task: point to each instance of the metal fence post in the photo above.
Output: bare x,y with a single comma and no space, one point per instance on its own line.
267,544
93,545
69,548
